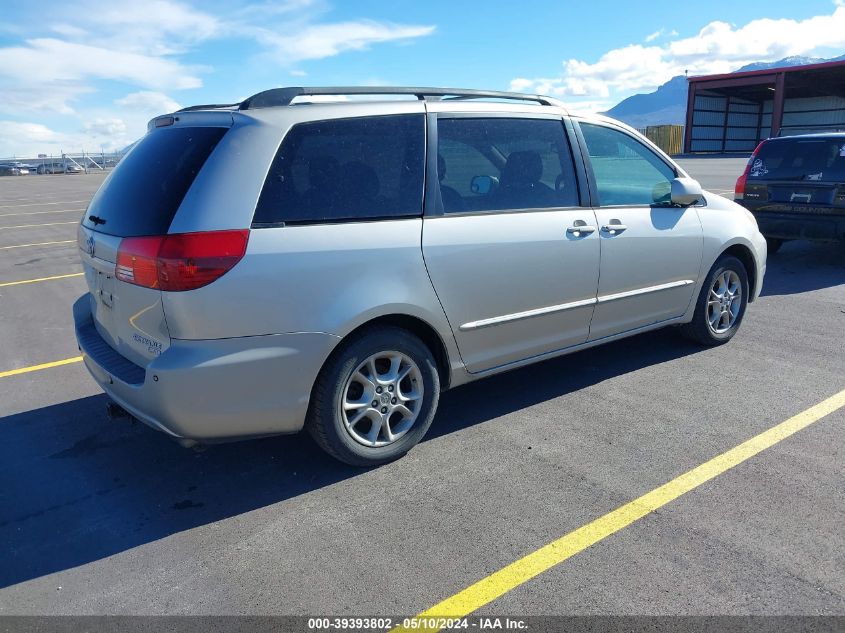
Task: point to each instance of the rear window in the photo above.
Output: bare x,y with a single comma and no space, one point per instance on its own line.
346,169
818,159
142,194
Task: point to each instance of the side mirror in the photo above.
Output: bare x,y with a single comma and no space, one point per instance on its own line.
482,184
686,191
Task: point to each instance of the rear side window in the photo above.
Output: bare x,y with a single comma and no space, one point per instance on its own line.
142,194
805,159
627,172
346,169
504,163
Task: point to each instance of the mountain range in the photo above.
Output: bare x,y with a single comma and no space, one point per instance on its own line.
668,104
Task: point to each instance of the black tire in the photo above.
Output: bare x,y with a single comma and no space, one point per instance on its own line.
773,244
699,329
325,421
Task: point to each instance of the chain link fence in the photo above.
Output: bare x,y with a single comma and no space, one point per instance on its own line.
82,162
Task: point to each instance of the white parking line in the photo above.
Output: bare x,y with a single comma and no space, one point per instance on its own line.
26,226
5,248
6,215
41,204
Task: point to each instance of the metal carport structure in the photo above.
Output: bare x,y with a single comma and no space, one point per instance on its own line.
733,112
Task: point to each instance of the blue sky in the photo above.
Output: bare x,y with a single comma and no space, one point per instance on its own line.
88,74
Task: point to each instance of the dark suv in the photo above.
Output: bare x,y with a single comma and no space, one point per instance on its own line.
795,187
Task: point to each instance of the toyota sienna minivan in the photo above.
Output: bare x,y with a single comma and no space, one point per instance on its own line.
260,267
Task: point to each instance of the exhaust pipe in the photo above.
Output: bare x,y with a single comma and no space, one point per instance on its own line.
115,412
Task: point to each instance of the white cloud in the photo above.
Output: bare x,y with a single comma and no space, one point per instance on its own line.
141,43
105,127
69,30
46,60
148,102
55,62
153,27
660,33
718,47
762,39
21,96
89,41
318,41
11,131
50,74
26,139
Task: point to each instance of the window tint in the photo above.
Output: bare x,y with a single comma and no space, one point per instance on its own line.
627,172
346,169
142,194
504,163
800,159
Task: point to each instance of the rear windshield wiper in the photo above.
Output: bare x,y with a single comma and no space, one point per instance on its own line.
96,220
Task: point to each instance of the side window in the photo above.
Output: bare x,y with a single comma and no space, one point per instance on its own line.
627,172
504,163
346,169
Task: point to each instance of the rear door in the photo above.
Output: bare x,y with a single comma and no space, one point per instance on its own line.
650,250
139,198
511,252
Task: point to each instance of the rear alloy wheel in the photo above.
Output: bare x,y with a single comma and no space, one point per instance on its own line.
721,303
382,399
375,398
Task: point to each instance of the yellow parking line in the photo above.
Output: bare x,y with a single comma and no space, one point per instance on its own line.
26,370
4,248
26,226
6,215
32,281
504,580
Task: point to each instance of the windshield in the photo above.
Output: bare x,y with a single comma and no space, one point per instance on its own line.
818,159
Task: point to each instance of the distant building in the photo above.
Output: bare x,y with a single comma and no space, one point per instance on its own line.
735,111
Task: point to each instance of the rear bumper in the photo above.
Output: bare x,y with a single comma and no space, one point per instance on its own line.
800,225
211,390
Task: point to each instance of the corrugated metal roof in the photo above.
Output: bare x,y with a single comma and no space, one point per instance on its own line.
767,71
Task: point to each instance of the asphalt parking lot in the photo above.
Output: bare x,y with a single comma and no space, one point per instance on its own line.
100,517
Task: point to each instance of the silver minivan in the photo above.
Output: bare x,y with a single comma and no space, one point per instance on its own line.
289,262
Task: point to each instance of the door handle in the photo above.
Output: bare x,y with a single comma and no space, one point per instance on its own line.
581,229
614,228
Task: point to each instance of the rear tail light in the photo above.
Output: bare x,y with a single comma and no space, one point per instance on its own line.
137,261
739,189
183,261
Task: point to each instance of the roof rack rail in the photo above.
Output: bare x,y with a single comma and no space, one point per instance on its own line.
208,106
284,96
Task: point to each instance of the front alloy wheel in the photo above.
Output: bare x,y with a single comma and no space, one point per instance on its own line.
725,302
721,303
